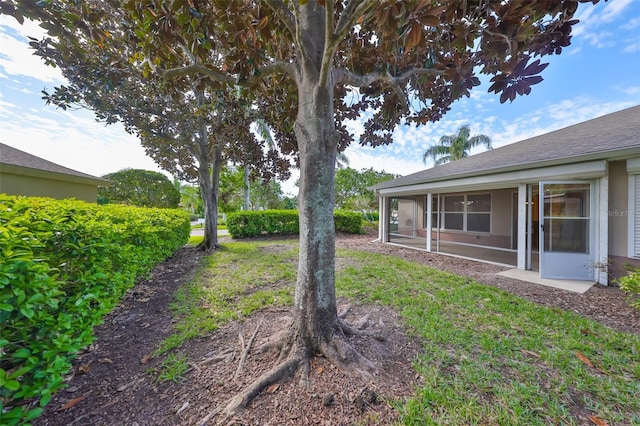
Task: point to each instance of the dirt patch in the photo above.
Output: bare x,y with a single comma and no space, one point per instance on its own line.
113,381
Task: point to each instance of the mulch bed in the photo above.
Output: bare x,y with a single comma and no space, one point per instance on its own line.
111,383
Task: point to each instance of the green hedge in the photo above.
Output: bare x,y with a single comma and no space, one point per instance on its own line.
63,266
245,224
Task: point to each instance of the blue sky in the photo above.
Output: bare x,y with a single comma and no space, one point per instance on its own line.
598,74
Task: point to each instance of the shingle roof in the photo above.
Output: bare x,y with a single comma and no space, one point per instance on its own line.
14,157
598,138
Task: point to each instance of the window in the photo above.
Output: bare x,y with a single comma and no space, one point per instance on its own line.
479,213
453,212
471,213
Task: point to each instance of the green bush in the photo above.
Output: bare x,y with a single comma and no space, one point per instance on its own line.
244,224
348,221
630,284
63,266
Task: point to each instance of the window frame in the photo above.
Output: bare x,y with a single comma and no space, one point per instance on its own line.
465,212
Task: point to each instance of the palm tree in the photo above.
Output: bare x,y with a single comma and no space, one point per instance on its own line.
455,147
342,161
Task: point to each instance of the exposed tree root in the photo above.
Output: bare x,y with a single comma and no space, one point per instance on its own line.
294,357
207,246
281,371
294,349
348,330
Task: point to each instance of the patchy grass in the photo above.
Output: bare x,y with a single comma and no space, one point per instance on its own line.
230,284
194,240
489,357
493,358
173,367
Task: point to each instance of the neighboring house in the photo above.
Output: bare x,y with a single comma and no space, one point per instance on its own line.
25,174
565,204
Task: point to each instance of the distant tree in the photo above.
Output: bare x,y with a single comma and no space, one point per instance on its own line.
142,188
455,147
267,194
191,200
351,188
232,186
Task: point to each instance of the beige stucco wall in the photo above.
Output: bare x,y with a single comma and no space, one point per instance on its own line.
618,208
40,187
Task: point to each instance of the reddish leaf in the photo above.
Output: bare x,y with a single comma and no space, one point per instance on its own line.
597,421
584,359
145,358
430,21
71,403
263,22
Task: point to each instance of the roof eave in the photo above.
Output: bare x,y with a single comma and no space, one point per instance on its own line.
46,174
608,155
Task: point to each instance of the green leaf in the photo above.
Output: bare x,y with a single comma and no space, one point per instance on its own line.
6,307
32,414
27,312
12,384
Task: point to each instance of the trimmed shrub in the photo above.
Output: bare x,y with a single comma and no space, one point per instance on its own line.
348,221
630,284
63,266
244,224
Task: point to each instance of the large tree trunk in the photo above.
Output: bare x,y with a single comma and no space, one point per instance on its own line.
315,299
208,179
209,182
316,327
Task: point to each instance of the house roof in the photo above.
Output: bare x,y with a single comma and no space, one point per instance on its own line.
15,161
610,136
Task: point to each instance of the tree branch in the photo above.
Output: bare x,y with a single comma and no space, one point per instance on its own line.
347,77
281,10
350,16
216,74
333,36
329,47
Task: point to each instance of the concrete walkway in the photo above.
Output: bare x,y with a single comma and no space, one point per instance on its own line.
534,277
195,232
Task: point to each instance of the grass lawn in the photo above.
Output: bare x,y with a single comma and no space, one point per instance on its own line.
489,357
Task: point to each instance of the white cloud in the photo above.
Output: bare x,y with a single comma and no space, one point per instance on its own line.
16,58
631,24
614,9
632,46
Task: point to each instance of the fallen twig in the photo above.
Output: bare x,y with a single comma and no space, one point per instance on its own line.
224,356
210,416
182,409
245,351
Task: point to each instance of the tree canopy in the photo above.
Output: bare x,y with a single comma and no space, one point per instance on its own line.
142,188
351,188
